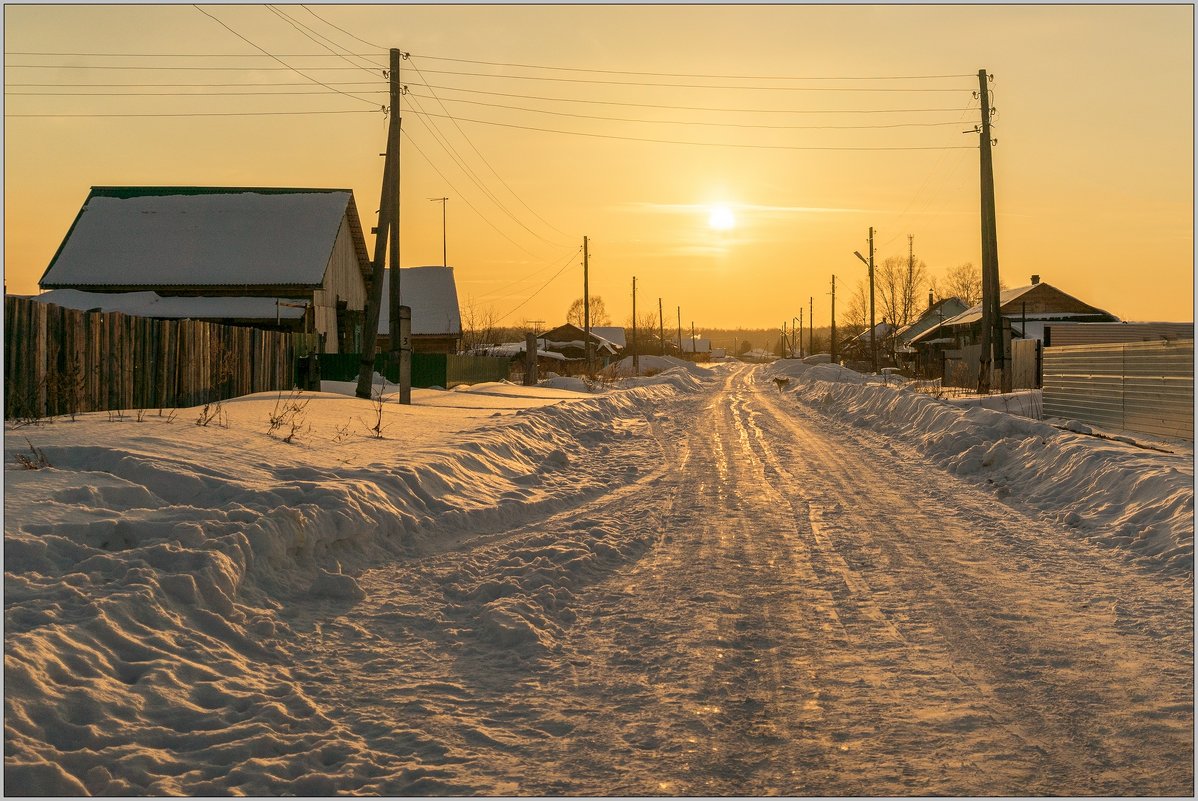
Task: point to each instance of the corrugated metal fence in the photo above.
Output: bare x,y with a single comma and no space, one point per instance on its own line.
1136,386
60,361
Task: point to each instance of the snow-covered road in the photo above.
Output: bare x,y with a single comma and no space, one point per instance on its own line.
781,611
691,588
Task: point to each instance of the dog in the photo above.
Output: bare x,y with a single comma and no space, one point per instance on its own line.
782,381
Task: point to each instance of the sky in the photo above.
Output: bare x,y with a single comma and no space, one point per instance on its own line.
731,158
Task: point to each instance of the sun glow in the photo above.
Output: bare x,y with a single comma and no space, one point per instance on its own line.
720,218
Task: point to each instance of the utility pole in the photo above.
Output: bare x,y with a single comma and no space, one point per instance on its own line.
811,323
636,352
785,344
992,331
873,343
586,304
443,201
693,351
388,209
800,332
661,325
833,337
679,332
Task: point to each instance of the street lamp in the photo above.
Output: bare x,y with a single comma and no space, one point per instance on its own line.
873,344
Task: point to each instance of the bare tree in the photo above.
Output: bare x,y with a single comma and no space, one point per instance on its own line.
599,315
965,282
478,326
856,313
646,331
899,283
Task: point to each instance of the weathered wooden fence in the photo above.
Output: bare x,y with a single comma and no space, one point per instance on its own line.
1137,386
962,366
60,361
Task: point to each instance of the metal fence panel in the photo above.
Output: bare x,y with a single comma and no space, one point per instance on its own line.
476,369
1136,386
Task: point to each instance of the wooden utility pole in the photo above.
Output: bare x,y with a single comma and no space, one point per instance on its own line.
811,323
785,343
800,332
636,352
388,209
661,325
586,304
679,332
873,326
693,351
992,336
832,341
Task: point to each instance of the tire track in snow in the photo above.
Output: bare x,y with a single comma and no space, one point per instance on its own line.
1047,668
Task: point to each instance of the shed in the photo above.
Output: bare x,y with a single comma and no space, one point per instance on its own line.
298,245
432,295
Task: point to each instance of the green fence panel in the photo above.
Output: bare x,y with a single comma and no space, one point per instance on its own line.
428,369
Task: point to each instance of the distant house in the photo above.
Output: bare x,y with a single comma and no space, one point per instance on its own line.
696,349
858,348
276,257
432,295
570,341
615,334
936,313
1028,308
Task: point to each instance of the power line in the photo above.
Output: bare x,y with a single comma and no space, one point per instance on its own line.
184,85
690,122
179,55
204,114
445,145
464,198
312,35
534,294
691,108
484,158
679,142
347,33
686,85
281,61
699,75
182,94
534,274
184,68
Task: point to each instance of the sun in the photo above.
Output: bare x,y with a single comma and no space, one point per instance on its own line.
720,218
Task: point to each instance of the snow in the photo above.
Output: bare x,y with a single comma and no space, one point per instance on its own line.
151,304
544,588
650,365
215,239
1109,491
432,295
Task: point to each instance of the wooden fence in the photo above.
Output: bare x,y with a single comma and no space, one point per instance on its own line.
62,361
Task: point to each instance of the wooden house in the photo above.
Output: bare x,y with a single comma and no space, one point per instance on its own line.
288,248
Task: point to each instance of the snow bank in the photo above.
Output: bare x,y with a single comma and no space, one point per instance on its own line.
1110,492
153,568
657,364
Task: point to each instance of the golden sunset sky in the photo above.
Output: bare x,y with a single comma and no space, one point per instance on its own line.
759,113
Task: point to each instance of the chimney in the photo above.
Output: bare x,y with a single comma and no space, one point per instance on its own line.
1035,280
931,302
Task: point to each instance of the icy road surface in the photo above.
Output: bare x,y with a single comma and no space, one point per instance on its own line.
781,611
693,587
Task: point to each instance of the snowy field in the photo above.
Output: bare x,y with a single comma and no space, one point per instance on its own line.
624,589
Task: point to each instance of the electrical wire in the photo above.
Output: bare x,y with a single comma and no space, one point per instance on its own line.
181,94
465,199
445,145
347,33
534,294
311,34
690,122
684,85
690,108
534,274
205,114
281,61
701,144
478,152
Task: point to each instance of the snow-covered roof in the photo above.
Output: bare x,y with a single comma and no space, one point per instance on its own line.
432,295
151,304
612,333
202,236
696,345
510,350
